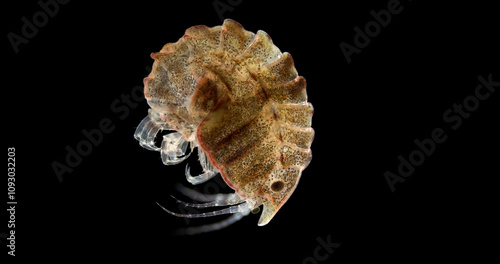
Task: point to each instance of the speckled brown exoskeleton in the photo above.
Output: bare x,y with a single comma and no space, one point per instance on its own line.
235,97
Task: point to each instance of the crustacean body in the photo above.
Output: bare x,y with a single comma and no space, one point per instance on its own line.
235,97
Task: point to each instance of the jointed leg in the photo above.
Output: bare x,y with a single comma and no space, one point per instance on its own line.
146,133
205,176
173,148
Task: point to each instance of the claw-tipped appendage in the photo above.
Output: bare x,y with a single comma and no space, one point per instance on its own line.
205,176
173,148
209,171
146,133
148,128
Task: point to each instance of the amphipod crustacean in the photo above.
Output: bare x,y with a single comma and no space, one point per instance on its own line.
233,95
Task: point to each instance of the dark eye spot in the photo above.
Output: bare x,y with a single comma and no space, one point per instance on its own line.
277,186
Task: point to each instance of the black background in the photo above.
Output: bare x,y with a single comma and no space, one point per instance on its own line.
367,113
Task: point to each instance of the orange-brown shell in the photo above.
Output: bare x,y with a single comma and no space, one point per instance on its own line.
241,100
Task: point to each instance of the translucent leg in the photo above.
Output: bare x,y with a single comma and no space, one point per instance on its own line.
146,133
173,149
211,227
205,176
148,129
208,169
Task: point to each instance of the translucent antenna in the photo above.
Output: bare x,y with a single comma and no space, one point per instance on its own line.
200,197
232,199
210,227
244,207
